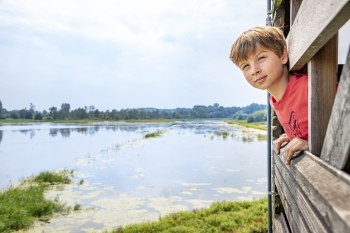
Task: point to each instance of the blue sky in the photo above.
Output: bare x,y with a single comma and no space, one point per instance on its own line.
126,54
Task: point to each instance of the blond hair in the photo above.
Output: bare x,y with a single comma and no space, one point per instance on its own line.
248,42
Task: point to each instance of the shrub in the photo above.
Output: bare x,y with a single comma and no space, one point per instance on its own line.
38,117
14,115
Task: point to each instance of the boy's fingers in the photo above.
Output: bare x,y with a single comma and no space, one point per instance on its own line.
279,143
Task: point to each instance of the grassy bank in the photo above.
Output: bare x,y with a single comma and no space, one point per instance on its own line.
22,204
255,125
225,217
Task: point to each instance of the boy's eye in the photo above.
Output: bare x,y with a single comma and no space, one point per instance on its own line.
244,66
260,58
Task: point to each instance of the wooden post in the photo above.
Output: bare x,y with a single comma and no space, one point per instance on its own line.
294,7
336,147
322,71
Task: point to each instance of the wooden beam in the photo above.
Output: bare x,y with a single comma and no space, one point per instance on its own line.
326,187
309,34
280,224
336,147
294,8
322,71
308,212
295,219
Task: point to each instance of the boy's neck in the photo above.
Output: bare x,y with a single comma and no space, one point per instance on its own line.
280,87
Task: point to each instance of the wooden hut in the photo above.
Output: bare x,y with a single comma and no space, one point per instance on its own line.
312,194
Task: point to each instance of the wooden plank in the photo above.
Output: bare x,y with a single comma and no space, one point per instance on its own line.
316,22
277,131
310,214
294,8
280,224
336,147
327,188
296,222
275,121
322,70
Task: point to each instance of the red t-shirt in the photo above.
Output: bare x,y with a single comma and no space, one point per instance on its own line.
292,109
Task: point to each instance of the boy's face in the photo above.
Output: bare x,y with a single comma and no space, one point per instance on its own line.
264,69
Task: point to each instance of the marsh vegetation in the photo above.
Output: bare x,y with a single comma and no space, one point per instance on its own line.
21,204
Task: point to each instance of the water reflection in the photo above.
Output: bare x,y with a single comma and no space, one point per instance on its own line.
91,130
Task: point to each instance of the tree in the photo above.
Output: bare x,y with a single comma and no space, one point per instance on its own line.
0,108
38,116
28,115
32,108
65,108
14,115
53,112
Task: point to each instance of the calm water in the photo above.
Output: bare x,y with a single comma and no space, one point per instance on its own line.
130,179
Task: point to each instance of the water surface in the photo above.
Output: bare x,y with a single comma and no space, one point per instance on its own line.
128,178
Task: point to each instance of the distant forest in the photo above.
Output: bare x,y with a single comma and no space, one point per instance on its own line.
252,113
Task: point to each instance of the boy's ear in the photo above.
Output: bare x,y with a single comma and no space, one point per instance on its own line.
285,55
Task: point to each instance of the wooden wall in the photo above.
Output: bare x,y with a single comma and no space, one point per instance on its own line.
312,194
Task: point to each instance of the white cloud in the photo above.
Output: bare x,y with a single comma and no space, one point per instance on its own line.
174,49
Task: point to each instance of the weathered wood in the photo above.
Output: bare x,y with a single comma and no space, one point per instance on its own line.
336,147
311,216
327,188
322,71
309,34
294,8
280,225
296,222
275,121
277,131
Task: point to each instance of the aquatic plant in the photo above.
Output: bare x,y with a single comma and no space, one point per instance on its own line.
54,177
226,216
155,134
261,137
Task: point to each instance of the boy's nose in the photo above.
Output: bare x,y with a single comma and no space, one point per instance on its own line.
255,70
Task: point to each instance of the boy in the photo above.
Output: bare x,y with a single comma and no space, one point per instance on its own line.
261,54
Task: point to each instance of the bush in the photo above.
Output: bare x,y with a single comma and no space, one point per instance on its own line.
28,115
38,116
257,116
14,115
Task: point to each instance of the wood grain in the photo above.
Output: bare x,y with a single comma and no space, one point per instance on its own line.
322,71
292,211
327,188
280,225
294,8
310,214
316,22
336,147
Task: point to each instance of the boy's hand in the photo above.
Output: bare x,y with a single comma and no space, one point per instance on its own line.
283,138
297,144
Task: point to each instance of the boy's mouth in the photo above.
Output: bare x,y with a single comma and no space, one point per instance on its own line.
259,80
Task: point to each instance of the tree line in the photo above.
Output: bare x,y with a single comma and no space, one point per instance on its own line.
251,113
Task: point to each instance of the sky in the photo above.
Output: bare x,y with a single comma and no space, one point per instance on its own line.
127,54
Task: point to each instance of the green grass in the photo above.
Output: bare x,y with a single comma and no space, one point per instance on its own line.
54,177
155,134
225,217
21,205
255,125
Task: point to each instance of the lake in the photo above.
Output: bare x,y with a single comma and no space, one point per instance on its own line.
129,178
